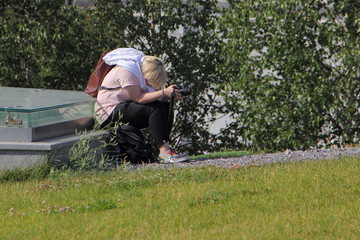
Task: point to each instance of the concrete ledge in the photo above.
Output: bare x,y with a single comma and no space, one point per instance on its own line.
27,154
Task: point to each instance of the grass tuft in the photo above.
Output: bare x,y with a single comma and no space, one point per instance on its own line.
24,174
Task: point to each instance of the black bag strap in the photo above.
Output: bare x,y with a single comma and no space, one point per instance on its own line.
171,109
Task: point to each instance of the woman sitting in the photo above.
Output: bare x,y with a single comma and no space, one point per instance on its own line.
132,93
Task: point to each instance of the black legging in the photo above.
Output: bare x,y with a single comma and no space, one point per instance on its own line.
152,115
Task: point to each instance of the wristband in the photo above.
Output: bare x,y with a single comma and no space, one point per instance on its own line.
163,95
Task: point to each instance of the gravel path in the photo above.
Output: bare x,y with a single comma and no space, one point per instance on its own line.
260,159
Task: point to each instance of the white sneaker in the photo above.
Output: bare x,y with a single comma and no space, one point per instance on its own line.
173,157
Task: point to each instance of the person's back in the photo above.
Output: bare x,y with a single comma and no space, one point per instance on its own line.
118,78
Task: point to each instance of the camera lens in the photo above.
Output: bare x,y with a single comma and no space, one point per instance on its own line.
185,91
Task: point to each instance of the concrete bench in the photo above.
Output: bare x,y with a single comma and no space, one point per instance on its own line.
27,154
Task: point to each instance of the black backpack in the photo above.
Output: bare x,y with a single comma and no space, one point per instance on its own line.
132,146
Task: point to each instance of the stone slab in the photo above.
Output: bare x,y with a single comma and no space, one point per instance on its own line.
27,154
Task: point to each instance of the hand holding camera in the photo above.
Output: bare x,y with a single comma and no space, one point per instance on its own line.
183,91
177,92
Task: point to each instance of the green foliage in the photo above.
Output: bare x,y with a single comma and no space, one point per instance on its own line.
292,71
90,152
44,44
83,155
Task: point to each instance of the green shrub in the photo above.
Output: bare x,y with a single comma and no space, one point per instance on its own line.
292,71
44,44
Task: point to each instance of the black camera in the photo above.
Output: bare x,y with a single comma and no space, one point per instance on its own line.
183,91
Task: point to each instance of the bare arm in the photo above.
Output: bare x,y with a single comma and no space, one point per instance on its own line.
136,95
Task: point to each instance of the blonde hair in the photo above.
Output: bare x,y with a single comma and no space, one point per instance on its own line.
154,71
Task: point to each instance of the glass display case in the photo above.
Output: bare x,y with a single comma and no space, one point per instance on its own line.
34,114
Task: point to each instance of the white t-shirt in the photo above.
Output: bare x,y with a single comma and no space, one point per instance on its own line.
107,100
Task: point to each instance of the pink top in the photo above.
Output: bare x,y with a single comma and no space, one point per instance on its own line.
108,99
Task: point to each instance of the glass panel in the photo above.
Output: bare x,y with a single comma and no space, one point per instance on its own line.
29,99
63,114
26,107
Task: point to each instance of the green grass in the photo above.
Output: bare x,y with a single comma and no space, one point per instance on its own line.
305,200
